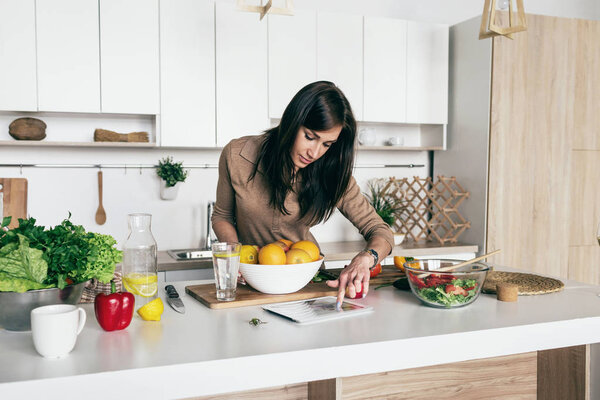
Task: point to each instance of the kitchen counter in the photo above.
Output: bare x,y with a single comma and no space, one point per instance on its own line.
336,251
206,351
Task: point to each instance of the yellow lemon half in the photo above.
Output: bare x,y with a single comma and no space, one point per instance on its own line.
152,311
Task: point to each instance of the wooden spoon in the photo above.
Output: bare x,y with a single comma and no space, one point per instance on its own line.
462,264
100,213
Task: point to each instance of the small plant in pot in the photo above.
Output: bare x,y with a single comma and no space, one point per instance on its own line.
172,173
388,207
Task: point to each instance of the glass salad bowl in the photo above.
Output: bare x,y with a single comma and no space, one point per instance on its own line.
445,289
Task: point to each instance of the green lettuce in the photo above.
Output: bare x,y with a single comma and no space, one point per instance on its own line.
8,283
22,262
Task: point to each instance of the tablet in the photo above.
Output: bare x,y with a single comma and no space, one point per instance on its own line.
316,310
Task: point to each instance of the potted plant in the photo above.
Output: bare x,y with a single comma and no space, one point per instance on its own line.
388,207
172,173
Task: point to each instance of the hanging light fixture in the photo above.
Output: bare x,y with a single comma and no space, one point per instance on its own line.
266,8
489,28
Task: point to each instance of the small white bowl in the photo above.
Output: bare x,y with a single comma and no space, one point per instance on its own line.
279,279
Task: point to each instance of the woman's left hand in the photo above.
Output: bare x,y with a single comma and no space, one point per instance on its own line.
355,277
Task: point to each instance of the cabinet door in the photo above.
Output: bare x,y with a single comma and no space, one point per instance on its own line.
340,55
385,70
18,80
68,59
427,73
187,73
130,61
292,57
241,53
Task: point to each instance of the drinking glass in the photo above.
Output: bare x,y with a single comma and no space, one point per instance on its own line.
226,264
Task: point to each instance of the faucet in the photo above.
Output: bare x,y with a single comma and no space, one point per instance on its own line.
209,211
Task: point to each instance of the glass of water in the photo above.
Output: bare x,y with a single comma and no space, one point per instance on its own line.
226,264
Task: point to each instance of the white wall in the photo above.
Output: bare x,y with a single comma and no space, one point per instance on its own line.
181,223
54,192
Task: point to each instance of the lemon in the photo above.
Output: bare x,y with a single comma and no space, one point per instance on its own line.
248,254
152,311
144,285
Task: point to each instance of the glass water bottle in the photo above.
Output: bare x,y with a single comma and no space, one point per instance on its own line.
140,273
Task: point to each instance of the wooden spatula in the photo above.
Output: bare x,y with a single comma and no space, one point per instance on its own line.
100,213
462,264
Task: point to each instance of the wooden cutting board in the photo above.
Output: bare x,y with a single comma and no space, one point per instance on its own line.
14,199
389,274
246,296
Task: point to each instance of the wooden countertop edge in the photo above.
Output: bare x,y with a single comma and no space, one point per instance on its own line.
335,251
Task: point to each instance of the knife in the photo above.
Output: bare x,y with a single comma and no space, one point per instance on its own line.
174,300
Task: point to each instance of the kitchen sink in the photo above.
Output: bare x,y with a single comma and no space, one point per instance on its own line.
190,254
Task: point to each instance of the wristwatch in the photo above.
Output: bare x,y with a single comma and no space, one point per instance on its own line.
375,256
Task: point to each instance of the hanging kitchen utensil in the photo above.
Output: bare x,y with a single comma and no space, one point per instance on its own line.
100,213
14,199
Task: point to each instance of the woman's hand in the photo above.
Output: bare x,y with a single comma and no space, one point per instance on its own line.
354,277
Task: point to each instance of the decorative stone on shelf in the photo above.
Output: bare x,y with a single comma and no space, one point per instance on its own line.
27,128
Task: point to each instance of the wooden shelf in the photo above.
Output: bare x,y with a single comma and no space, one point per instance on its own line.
36,143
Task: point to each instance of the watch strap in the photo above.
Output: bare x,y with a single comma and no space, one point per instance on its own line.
375,256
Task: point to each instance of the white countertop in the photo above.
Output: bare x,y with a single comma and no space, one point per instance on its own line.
213,351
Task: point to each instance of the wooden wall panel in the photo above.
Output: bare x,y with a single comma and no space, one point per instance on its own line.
584,264
289,392
584,192
511,377
528,208
562,373
586,117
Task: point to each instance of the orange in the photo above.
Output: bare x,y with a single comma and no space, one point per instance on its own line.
284,246
271,254
309,247
248,254
288,243
297,256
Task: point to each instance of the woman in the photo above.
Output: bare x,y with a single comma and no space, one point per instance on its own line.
279,184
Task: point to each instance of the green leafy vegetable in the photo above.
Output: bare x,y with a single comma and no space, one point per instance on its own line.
438,294
51,256
10,284
23,262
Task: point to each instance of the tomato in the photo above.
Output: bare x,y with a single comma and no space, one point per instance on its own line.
375,271
358,294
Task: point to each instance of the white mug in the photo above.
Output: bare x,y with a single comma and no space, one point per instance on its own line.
55,329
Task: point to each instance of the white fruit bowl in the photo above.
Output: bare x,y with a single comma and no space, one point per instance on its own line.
279,279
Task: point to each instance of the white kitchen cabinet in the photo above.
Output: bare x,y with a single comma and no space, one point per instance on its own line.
18,82
427,73
385,70
187,73
241,54
68,58
340,55
129,44
292,57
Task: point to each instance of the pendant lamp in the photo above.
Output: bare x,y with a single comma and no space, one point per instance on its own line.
516,20
266,8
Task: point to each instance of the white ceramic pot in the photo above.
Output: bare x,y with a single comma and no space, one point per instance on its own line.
168,193
399,238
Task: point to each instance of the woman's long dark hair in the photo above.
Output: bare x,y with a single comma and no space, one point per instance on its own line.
318,106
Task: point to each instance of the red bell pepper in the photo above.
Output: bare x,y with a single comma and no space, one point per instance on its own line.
375,271
114,311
